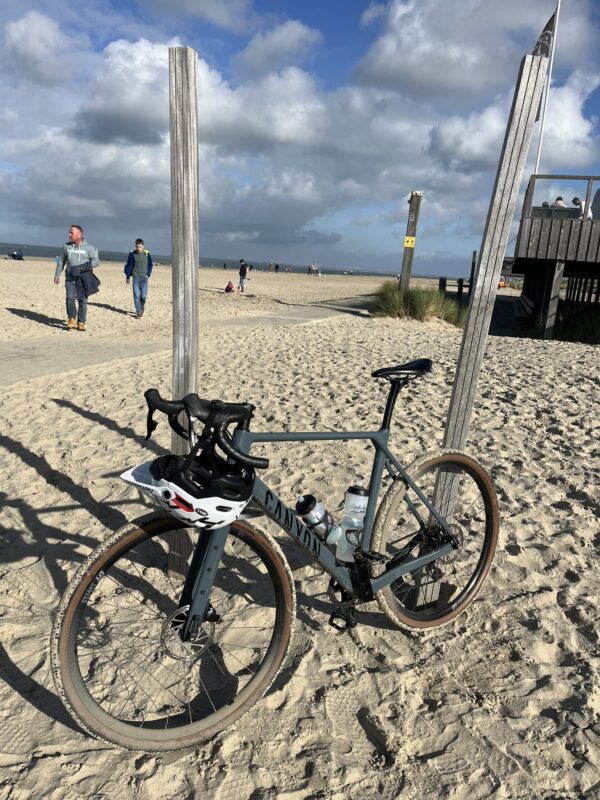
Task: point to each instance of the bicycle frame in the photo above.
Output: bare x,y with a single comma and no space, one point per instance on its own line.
358,583
278,511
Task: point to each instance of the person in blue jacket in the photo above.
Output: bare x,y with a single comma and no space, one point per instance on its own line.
139,267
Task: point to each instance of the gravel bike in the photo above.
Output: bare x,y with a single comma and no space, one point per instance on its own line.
154,659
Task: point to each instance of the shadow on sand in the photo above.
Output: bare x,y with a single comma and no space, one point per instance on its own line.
42,319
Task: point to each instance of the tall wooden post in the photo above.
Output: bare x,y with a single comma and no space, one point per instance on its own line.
472,275
525,104
185,254
409,240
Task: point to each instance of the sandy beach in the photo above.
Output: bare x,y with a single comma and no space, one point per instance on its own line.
504,702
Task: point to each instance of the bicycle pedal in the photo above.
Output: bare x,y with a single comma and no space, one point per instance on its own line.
346,617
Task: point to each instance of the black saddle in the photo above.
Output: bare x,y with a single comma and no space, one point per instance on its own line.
404,372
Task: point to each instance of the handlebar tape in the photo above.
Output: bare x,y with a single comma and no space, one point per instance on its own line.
222,414
228,446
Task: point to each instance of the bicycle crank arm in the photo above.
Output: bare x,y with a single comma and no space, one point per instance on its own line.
200,578
394,572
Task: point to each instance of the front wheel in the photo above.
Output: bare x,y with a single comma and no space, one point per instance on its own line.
462,494
119,663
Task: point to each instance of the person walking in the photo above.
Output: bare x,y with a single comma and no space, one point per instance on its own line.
243,274
79,258
139,267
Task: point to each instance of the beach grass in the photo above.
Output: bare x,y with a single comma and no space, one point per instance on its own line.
417,303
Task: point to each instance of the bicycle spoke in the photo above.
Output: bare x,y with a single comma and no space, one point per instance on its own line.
129,653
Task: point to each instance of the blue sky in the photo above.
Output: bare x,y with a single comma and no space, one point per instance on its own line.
316,120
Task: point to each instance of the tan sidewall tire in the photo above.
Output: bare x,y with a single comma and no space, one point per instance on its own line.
82,709
387,508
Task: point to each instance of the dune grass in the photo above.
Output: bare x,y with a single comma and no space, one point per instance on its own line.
421,304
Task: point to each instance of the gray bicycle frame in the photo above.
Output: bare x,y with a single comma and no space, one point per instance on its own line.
209,548
276,509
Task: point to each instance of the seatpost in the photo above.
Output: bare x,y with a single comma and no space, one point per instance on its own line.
395,387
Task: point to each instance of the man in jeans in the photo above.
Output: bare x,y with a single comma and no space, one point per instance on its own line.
78,257
139,266
243,274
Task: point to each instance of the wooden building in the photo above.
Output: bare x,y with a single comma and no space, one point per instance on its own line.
558,251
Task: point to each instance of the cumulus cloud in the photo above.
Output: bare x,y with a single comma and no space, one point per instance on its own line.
473,142
435,48
129,100
37,50
569,136
286,44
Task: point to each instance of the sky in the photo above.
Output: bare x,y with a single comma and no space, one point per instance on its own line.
316,121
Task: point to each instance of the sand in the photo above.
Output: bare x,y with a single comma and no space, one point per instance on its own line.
503,702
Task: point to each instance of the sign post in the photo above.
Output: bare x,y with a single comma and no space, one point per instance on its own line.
414,205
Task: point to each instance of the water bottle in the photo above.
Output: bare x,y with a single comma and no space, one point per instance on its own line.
318,519
351,524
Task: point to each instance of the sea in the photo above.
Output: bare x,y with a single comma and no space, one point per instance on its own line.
210,262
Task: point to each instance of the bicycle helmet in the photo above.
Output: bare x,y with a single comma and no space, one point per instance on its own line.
208,493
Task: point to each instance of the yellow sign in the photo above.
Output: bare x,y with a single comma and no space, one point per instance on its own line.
409,241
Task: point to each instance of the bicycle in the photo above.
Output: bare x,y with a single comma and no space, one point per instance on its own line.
154,660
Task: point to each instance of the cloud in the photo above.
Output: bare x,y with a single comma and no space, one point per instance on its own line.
569,137
373,11
470,143
129,100
237,16
288,43
36,50
453,51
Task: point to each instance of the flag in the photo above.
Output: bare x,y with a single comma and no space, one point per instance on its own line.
544,43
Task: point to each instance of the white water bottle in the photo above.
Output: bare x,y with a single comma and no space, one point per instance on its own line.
352,522
318,519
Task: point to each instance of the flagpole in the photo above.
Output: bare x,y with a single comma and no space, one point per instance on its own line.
539,150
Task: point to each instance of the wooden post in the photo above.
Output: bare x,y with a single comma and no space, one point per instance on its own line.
551,303
472,276
525,104
459,291
183,106
442,285
409,239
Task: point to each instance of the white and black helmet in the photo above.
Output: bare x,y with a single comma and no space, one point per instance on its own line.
208,493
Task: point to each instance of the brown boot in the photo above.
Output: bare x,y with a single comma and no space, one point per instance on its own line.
81,326
71,323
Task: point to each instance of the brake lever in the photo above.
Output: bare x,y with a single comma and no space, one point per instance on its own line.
151,425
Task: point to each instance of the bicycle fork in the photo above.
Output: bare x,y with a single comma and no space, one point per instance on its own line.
200,579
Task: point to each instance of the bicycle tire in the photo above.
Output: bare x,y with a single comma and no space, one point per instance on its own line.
433,595
96,612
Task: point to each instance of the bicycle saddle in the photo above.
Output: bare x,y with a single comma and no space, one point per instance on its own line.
413,369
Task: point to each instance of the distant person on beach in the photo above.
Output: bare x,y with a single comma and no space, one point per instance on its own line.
559,203
79,258
229,287
139,267
276,268
243,274
578,204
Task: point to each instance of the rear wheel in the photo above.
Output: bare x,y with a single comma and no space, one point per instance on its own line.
119,663
462,494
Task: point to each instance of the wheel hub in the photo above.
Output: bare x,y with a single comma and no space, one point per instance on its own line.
195,646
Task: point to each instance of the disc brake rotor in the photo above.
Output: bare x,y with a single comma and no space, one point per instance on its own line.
195,646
